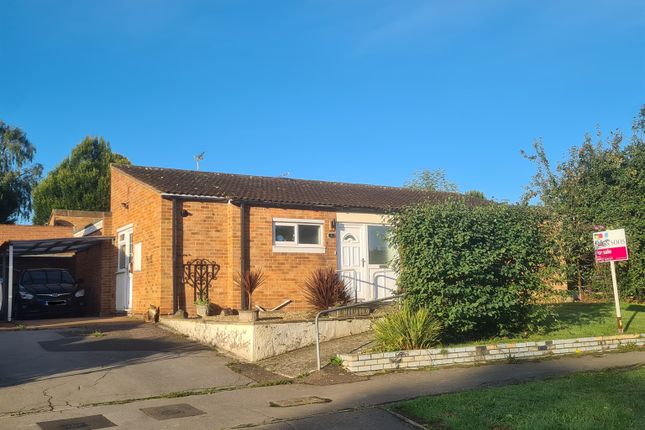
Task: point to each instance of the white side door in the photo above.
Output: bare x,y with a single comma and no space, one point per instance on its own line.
124,269
351,260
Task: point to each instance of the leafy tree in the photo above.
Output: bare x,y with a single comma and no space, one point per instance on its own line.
599,186
18,174
475,193
81,181
432,180
478,269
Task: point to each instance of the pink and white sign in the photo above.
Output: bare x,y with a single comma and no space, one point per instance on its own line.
610,245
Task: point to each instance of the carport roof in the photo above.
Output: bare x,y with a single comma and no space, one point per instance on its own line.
52,246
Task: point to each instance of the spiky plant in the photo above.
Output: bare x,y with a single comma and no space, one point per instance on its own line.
324,289
407,328
250,281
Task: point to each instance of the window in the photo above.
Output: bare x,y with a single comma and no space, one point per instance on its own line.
379,251
297,235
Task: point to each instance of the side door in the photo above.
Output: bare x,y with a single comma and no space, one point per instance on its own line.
124,269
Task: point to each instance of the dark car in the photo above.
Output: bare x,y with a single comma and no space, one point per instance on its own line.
49,291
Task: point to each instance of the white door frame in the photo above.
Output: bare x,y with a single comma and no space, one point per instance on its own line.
124,268
376,281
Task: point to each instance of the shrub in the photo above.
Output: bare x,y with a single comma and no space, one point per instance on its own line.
406,328
325,289
477,269
249,282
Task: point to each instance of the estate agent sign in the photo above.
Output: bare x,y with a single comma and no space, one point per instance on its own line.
611,246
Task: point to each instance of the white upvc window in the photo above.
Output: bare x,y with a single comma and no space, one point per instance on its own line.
298,235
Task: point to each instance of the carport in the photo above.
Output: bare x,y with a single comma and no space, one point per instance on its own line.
101,262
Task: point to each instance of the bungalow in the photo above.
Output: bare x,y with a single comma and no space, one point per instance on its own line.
163,219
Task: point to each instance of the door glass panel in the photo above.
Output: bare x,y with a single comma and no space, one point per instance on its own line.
309,234
350,238
285,233
121,256
378,250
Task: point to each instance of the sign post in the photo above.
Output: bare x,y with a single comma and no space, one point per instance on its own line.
611,246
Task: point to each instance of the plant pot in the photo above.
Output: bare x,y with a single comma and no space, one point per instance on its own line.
202,310
248,316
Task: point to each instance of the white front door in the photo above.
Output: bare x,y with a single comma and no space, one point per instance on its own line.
124,269
351,260
363,260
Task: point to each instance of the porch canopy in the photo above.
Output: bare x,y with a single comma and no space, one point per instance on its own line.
16,248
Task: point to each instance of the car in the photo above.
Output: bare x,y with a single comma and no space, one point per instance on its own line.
48,292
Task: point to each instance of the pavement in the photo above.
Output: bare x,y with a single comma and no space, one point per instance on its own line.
236,404
303,360
45,370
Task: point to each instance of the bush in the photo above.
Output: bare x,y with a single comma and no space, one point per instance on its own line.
477,269
406,328
325,289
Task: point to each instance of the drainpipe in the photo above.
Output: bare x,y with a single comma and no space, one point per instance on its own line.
10,284
243,256
175,241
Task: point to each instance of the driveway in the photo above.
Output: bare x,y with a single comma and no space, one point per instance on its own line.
43,370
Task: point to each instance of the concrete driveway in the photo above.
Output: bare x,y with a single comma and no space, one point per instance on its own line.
44,370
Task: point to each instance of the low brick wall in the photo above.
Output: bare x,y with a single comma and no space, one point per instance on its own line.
258,340
363,363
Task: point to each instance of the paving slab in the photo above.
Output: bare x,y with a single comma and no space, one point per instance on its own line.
57,369
248,407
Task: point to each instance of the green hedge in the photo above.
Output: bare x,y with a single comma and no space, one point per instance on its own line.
476,268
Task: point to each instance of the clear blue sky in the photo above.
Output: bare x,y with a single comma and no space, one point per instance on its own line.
357,91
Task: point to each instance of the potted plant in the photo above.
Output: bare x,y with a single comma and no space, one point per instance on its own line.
249,282
202,306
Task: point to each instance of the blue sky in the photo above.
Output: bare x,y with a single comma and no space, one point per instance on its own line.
356,91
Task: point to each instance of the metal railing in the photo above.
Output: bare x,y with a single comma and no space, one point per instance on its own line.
355,305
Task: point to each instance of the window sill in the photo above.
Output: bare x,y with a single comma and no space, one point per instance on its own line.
300,249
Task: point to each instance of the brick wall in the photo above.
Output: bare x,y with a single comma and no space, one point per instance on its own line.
471,355
285,272
135,203
32,232
211,230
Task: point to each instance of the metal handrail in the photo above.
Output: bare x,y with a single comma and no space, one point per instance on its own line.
328,311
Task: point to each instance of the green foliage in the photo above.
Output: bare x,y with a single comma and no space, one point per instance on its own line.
335,361
250,281
325,289
406,328
478,269
81,181
18,174
601,185
432,180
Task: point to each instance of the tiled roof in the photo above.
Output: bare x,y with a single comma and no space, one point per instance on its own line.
278,190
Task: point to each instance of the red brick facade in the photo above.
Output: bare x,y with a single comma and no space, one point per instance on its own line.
210,230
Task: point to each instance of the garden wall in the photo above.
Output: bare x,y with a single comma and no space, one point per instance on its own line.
362,363
259,340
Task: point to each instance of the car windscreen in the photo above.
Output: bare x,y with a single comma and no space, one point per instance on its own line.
47,277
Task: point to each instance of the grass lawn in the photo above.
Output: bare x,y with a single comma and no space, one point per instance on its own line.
585,320
591,400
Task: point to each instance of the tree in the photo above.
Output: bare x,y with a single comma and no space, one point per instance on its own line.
432,180
599,186
18,174
81,181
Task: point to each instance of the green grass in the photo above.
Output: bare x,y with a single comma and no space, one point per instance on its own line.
592,400
584,320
